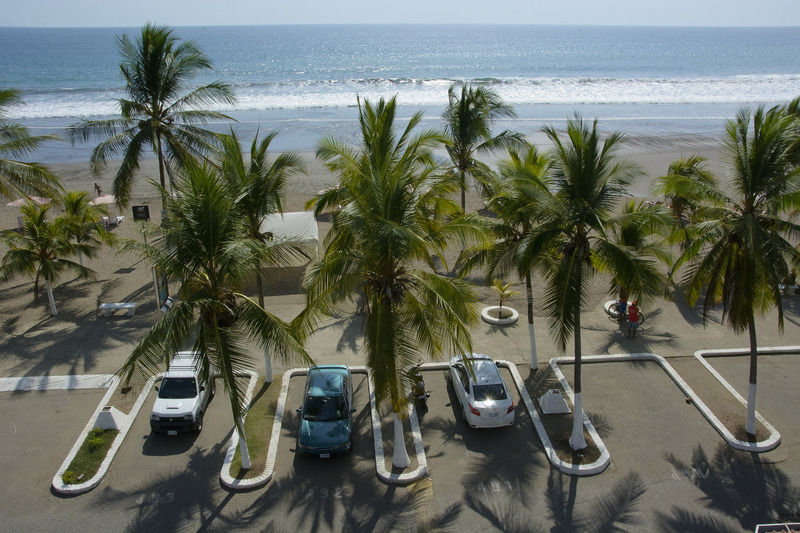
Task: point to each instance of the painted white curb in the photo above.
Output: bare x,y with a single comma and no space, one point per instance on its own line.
272,452
67,382
774,437
225,474
499,321
567,467
79,488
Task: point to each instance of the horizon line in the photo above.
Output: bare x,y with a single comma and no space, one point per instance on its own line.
454,24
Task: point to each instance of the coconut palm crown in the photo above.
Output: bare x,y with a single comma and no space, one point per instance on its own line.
19,178
161,113
468,118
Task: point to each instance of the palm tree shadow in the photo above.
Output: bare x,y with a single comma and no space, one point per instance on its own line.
739,486
617,507
165,503
349,499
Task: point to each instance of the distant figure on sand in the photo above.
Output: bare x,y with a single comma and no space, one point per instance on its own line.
633,319
98,190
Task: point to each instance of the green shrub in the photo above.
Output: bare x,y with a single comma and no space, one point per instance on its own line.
91,453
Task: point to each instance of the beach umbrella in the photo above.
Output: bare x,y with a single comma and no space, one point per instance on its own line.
105,199
41,200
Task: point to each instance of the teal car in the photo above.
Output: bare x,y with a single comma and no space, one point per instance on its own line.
326,417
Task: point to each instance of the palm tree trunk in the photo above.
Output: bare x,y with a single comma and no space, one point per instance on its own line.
268,366
260,289
162,178
577,440
400,457
49,288
243,450
463,180
531,336
750,423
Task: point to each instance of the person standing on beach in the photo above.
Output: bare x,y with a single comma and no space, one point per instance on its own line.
98,190
633,319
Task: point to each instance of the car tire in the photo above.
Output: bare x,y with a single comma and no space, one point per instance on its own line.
200,422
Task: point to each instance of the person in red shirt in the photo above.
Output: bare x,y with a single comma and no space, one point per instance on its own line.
633,319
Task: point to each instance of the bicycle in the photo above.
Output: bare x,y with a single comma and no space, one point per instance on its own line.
612,309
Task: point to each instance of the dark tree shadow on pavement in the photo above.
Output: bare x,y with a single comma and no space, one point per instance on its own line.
738,485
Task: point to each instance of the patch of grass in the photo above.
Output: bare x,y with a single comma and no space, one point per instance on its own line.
257,429
91,453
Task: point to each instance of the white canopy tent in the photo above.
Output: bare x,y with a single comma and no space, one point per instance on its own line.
301,225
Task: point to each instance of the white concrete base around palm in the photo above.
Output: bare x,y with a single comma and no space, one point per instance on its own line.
532,339
577,441
50,297
400,457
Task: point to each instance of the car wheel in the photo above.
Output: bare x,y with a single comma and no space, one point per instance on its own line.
200,422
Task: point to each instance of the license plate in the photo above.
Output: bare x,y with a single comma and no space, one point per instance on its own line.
324,456
172,432
493,415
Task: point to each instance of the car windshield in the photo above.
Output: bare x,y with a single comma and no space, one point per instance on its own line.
177,388
324,408
483,393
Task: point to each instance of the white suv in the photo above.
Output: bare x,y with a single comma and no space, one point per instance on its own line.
183,396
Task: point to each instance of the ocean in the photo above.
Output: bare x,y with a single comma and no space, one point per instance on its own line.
304,80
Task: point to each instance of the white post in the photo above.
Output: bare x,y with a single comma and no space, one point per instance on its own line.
532,338
577,441
750,424
268,367
50,297
243,450
400,457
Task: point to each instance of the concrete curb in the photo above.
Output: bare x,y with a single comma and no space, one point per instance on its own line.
67,382
225,474
567,467
272,452
774,437
79,488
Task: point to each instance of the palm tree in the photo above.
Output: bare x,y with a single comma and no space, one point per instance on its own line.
687,185
640,233
41,249
587,182
743,247
207,250
467,125
259,188
516,195
82,223
157,114
391,199
18,178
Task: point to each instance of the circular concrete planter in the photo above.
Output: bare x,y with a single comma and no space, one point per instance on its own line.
499,321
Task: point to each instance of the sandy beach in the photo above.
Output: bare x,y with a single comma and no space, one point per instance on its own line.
79,340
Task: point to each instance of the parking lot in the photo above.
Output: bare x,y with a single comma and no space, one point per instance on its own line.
669,468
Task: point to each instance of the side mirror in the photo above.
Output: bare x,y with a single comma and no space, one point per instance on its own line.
156,387
202,388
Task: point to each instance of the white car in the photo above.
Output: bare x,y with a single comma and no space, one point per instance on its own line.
484,397
183,396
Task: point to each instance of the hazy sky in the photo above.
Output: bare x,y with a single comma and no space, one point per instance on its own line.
256,12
